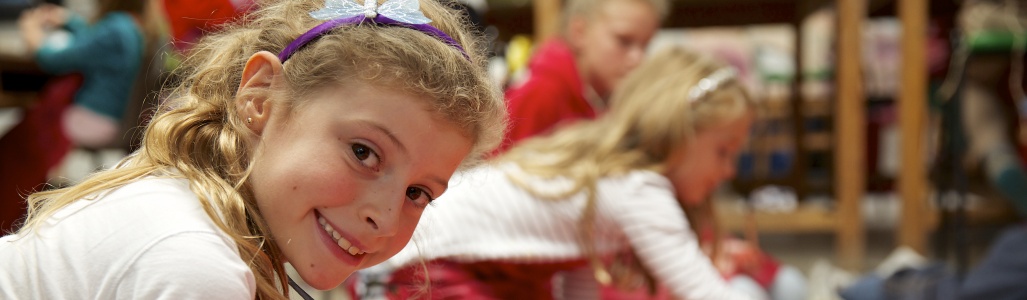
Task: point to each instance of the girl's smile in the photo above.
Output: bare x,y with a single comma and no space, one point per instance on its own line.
340,244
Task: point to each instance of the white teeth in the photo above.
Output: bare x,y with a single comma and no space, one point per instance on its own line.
343,243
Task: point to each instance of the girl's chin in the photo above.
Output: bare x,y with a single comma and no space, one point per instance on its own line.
693,203
327,284
690,201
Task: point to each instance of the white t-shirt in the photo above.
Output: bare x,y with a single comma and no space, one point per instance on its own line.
150,239
485,217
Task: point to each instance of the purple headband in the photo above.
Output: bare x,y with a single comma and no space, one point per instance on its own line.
329,25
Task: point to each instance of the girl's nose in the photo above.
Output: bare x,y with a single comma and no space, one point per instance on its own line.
382,215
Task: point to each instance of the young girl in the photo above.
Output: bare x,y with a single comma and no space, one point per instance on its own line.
571,75
305,134
596,198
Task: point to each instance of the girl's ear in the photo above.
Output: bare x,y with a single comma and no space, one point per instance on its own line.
260,76
576,30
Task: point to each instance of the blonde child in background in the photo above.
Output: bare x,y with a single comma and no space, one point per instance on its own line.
323,155
597,203
571,76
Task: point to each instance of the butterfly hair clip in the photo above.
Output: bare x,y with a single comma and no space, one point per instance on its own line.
400,13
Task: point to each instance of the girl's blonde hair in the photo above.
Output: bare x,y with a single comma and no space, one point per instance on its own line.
197,134
651,116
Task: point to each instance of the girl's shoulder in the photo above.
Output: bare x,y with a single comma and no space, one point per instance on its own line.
643,190
180,240
152,235
636,180
135,197
152,204
168,201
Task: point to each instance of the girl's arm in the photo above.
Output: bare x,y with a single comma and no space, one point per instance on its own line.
74,23
89,48
658,231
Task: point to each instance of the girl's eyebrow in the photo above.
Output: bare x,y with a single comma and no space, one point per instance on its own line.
443,183
379,127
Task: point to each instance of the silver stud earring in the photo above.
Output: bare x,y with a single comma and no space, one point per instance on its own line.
249,120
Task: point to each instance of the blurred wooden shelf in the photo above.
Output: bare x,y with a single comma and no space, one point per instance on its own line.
819,219
805,219
819,141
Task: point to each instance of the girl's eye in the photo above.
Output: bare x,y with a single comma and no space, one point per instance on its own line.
419,196
366,156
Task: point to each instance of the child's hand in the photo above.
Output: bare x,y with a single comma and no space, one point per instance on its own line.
43,17
744,254
30,25
52,15
725,265
736,256
724,262
34,23
29,17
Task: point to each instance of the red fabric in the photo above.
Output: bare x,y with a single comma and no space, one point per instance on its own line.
763,270
190,19
34,146
611,293
551,95
477,281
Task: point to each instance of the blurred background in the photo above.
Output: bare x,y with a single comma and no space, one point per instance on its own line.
867,153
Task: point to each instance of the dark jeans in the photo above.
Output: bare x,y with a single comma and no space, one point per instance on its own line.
1002,275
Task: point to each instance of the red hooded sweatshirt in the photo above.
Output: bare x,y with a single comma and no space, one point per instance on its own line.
552,95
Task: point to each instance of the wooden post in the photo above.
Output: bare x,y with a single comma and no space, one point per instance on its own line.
912,181
800,164
547,18
850,138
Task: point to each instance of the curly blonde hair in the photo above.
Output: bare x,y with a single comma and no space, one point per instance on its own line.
197,133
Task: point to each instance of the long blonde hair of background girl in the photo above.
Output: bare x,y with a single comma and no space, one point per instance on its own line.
651,116
198,133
